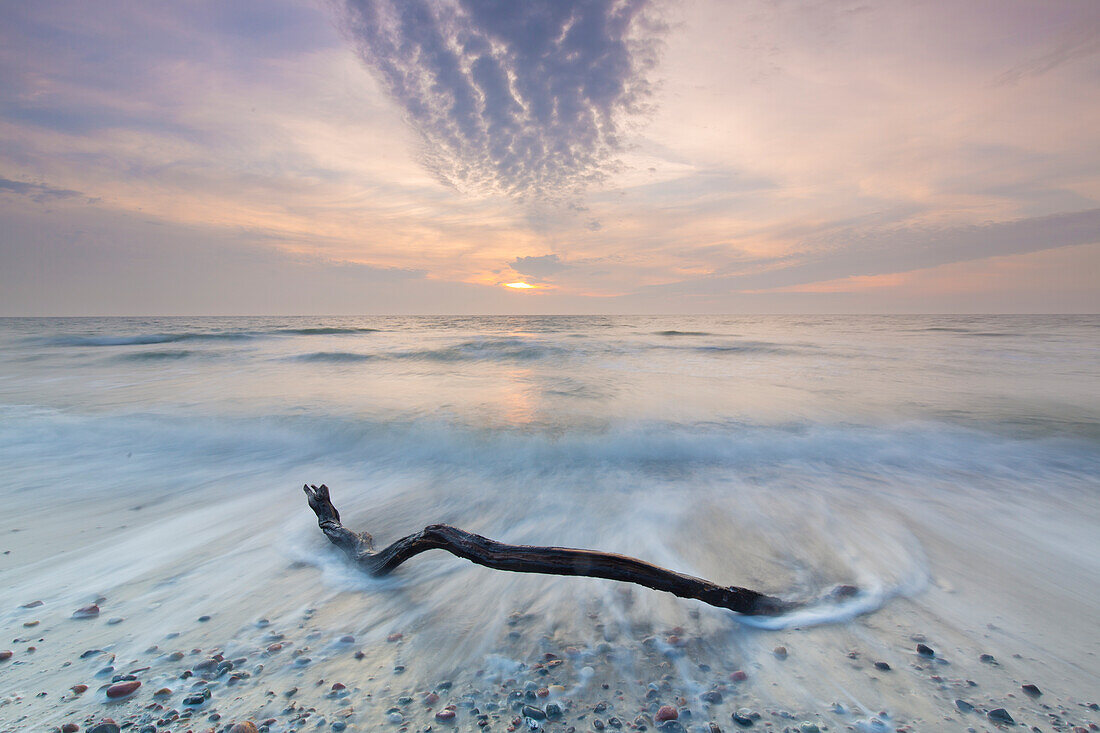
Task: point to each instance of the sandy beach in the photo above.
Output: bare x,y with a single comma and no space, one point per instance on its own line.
137,489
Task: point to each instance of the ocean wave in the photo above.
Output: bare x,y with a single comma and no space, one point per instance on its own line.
166,355
322,331
746,347
681,333
503,349
146,339
333,357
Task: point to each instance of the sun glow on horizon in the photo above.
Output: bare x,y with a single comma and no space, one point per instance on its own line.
519,286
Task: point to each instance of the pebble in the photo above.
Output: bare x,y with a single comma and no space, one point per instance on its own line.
445,715
554,710
808,727
107,726
666,713
739,676
530,711
1032,690
1000,715
114,621
713,697
882,666
743,717
925,651
90,611
396,718
964,706
5,655
780,652
123,689
394,638
32,604
70,728
987,659
246,727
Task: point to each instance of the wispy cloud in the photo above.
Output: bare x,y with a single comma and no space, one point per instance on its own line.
39,192
543,266
521,98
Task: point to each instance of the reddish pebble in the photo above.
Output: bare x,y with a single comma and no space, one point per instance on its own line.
87,612
123,689
162,692
274,648
246,727
431,698
395,637
5,655
739,676
338,685
70,728
542,692
445,715
780,652
667,712
79,689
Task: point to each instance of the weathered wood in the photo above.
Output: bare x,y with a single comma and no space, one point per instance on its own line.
527,559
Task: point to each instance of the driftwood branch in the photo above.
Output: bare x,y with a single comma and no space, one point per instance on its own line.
526,559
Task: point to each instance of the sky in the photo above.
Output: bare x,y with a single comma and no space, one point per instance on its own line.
549,156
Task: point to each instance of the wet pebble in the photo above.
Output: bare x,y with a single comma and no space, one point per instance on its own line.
123,689
743,717
89,611
5,655
925,650
445,715
964,706
780,652
530,711
1031,690
882,666
246,727
1000,715
107,726
987,659
665,713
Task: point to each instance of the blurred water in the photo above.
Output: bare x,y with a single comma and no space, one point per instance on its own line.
159,460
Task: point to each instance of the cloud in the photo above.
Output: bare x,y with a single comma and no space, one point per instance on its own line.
543,266
39,192
848,253
521,98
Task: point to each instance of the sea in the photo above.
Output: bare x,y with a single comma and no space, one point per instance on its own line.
945,464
